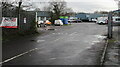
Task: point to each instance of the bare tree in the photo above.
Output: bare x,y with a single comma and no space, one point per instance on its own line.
57,7
101,12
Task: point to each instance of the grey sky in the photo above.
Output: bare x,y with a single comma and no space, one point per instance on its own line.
81,5
87,5
92,5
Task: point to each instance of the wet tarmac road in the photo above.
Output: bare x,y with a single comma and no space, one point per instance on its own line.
66,45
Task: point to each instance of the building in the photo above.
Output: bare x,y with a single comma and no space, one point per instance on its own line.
82,16
96,15
116,12
43,15
89,16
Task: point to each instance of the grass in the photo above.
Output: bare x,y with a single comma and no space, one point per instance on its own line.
111,40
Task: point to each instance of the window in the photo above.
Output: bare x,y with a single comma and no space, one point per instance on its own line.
117,19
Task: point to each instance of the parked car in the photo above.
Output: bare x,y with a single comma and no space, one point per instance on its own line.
102,20
58,23
40,23
47,22
94,20
74,20
78,20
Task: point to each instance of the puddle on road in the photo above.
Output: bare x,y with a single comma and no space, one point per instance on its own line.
37,41
93,39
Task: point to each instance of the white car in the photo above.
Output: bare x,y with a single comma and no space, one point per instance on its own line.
94,20
58,22
102,20
40,22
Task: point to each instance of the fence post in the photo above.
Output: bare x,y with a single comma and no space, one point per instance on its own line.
19,14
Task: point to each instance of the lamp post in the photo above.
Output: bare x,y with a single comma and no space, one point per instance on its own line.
20,2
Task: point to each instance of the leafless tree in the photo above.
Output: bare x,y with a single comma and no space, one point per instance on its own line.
101,12
57,7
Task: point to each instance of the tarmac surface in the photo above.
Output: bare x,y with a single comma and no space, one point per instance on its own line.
76,44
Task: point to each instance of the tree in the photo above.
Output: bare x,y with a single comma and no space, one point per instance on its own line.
57,7
101,12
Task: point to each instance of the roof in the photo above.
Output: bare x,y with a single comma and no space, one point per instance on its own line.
43,13
116,10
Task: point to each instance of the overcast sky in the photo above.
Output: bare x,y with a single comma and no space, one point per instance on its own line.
83,5
89,5
92,5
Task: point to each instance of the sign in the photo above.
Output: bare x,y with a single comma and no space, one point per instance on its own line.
8,22
24,20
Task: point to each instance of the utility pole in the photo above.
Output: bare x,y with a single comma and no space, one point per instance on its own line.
110,26
20,2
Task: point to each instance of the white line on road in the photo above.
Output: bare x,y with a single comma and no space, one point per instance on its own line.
40,41
72,34
57,39
19,55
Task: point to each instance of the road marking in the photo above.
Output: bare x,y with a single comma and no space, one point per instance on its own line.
72,33
57,39
18,55
53,58
40,41
53,33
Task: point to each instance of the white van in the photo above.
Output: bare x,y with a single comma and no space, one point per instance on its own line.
58,22
116,21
